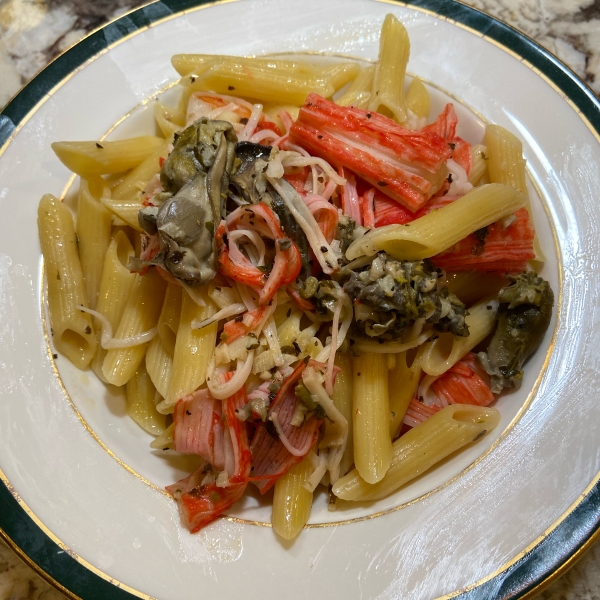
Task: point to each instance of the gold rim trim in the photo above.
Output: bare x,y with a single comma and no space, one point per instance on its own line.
507,50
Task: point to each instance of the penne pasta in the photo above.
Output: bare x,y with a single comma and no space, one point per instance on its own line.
505,161
164,441
125,210
140,315
71,329
115,287
506,165
421,448
169,120
342,398
359,91
292,501
403,384
269,85
93,235
417,99
159,364
141,403
440,229
100,158
170,314
479,160
445,351
193,350
371,416
197,64
387,96
136,180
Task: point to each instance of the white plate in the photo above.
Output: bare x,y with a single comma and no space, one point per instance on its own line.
83,471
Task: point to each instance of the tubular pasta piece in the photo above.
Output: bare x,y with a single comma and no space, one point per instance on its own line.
422,447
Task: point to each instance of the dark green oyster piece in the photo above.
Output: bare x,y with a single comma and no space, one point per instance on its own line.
390,295
523,317
196,177
207,146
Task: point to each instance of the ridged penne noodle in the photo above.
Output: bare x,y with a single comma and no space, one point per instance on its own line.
417,98
342,398
445,351
100,158
93,235
71,329
115,287
197,64
371,416
479,160
387,96
159,364
168,322
506,165
359,91
126,210
165,440
270,85
422,447
403,381
140,315
441,229
135,181
193,350
169,120
505,158
292,502
141,403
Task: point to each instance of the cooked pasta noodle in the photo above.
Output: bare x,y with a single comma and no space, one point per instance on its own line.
422,447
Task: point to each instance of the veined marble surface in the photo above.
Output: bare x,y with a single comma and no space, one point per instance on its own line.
33,32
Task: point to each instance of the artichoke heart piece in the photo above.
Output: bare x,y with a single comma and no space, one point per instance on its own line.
195,177
523,317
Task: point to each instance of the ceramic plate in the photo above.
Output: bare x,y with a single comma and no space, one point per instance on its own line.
82,497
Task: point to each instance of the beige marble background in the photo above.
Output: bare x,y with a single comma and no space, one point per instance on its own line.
32,32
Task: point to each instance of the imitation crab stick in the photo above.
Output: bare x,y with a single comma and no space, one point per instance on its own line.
407,166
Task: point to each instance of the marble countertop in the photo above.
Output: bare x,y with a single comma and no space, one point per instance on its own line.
33,32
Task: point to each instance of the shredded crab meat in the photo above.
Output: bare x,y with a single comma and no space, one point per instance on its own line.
258,257
248,130
425,392
220,390
319,464
108,342
320,246
266,134
225,313
338,335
